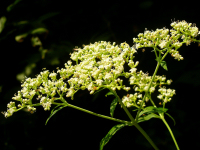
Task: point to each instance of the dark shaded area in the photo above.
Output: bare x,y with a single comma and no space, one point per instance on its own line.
75,24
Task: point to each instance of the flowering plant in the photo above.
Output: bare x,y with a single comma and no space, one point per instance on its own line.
100,66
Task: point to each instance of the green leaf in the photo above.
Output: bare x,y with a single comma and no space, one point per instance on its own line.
112,106
171,117
147,117
20,38
112,131
164,65
54,112
2,23
152,109
39,31
109,93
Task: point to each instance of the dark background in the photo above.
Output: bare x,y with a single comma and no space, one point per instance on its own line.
74,24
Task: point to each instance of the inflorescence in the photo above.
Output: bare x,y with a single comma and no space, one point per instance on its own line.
100,65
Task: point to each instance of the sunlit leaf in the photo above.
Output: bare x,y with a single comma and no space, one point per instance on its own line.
112,106
112,131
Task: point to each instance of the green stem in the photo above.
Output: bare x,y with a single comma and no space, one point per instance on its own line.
134,122
95,114
146,136
170,131
124,107
161,115
155,72
114,119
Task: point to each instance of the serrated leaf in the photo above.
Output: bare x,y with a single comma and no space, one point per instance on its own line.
147,117
109,93
171,118
152,109
54,112
109,135
112,106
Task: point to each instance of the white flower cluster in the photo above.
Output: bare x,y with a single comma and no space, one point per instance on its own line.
161,37
40,86
100,65
11,109
133,100
166,94
141,82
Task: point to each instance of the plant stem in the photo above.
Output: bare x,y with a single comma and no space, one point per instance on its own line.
170,131
146,136
96,114
134,122
154,74
114,119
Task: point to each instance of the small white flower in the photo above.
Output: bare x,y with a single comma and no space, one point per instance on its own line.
99,82
163,44
133,70
53,76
